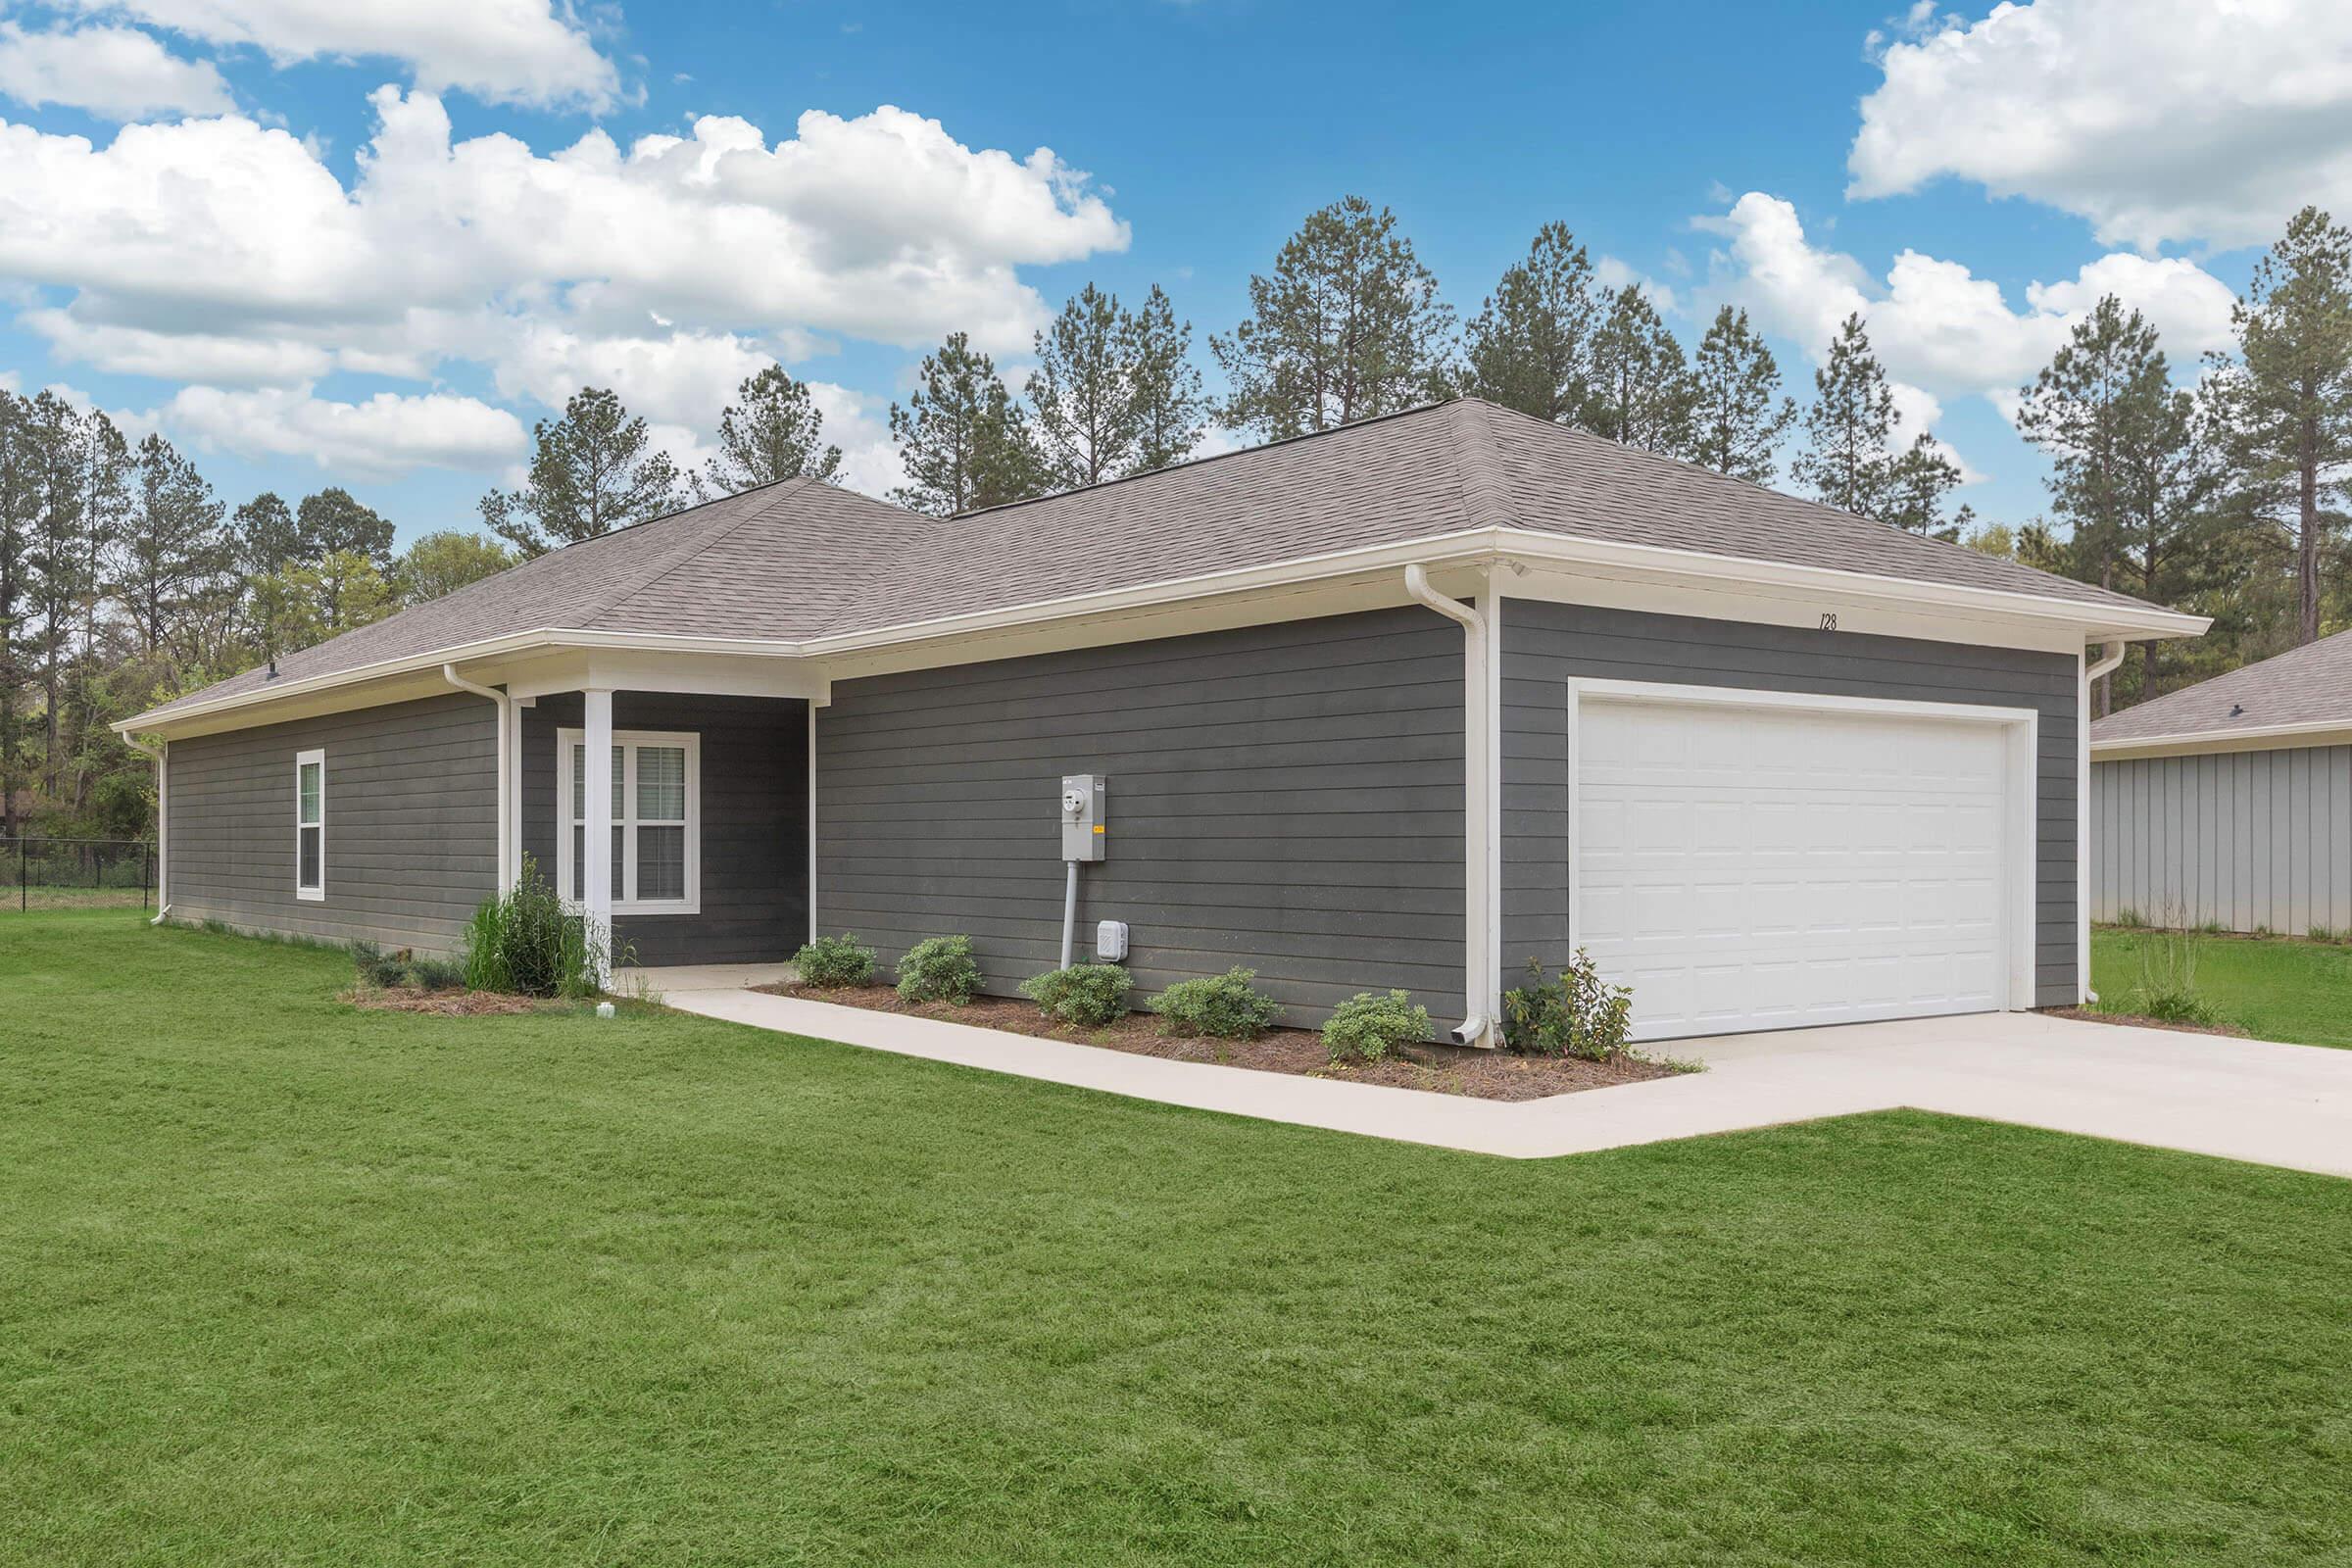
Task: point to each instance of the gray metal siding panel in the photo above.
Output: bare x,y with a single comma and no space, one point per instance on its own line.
2243,839
755,795
1287,797
1546,644
411,823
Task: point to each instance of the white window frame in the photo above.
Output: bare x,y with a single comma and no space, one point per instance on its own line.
303,760
625,816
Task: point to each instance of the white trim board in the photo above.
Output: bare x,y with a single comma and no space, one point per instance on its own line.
2020,834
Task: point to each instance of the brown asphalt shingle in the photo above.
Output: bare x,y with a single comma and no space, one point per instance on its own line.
803,560
2309,685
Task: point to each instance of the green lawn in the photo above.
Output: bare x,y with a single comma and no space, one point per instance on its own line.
284,1282
2274,988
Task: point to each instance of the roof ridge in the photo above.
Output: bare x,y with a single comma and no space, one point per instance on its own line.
1487,498
780,489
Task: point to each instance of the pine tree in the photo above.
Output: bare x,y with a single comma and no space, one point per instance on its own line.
334,523
772,431
176,552
963,441
1347,328
267,534
2284,405
80,459
1641,389
1531,346
1170,409
1918,482
20,507
1850,430
593,470
1738,414
1084,391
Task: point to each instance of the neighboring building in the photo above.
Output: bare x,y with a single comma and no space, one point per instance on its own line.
2229,803
1400,705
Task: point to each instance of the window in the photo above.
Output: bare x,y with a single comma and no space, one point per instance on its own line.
309,825
657,821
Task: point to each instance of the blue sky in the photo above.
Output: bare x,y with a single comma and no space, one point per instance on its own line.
319,248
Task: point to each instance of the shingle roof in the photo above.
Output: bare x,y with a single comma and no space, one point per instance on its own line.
803,560
2309,685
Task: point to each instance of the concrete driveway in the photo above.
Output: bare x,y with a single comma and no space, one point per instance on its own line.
2248,1100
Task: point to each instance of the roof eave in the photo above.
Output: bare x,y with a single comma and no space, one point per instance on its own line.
2191,743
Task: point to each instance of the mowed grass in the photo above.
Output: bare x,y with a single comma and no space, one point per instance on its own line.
2272,988
280,1281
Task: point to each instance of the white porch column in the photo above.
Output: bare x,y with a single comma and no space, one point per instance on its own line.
596,848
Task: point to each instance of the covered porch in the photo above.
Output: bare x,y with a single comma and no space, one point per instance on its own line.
691,844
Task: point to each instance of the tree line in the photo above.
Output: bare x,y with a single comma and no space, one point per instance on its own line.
124,579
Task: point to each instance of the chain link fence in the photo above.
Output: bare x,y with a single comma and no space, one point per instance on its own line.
57,873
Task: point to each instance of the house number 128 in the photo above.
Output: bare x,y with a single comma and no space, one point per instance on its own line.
1829,620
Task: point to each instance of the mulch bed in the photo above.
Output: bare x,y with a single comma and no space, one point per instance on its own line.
442,1003
2135,1021
1445,1069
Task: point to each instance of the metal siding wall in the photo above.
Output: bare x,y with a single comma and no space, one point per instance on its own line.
1287,797
2266,838
411,823
754,799
1545,644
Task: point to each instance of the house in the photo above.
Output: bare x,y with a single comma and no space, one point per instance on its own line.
1400,705
2229,803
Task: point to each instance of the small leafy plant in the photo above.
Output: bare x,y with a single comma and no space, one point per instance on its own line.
1579,1014
1223,1007
939,969
376,968
526,943
2167,979
437,974
1370,1026
835,963
1089,995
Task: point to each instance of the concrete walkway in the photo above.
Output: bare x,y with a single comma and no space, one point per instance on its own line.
2247,1100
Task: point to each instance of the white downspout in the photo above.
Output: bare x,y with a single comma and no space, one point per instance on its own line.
2111,653
1481,969
163,827
506,768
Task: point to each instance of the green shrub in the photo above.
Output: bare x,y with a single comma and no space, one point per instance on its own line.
1579,1014
2130,919
939,969
437,974
526,943
377,967
1223,1007
1090,995
1369,1026
835,963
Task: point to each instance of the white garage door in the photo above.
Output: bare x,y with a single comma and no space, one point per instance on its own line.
1776,867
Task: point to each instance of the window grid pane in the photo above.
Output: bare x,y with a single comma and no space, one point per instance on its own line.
311,801
662,862
307,876
660,784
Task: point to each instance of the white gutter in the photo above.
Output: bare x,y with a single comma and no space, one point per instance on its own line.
1472,548
162,830
506,775
2111,655
1481,965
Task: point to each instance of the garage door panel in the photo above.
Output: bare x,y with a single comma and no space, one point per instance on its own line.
1757,868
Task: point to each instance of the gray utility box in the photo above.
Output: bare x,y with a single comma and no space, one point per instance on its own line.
1082,817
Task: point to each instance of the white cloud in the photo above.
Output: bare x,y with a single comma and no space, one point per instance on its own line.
2156,119
385,435
505,51
1935,323
225,253
115,73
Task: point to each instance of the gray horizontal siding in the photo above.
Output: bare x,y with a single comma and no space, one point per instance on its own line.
754,791
1546,644
1287,798
2240,839
412,825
